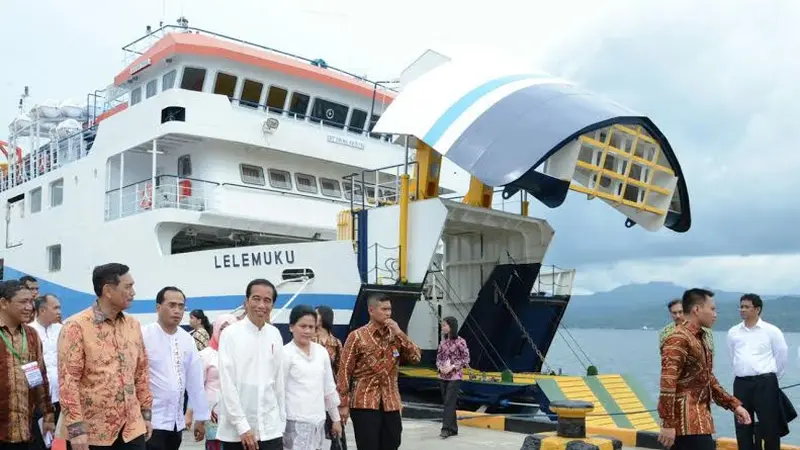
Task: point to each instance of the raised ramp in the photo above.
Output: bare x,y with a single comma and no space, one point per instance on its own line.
638,409
617,399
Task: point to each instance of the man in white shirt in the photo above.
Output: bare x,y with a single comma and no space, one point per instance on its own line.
759,354
48,326
252,412
175,368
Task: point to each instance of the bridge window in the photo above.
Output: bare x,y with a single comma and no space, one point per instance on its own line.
280,179
225,84
151,89
276,99
330,188
193,79
372,121
168,81
299,105
54,258
251,93
357,121
57,192
136,96
252,174
173,113
294,274
36,200
185,166
306,183
348,190
330,113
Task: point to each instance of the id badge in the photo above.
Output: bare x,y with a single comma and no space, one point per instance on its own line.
32,374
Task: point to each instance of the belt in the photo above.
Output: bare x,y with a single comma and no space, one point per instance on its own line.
756,377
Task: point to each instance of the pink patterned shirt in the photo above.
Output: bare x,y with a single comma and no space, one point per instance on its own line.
455,351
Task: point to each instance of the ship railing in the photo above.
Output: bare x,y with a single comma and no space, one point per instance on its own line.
512,205
553,282
170,192
324,124
138,47
382,193
47,157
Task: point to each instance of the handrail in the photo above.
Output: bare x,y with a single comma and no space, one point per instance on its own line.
159,177
181,28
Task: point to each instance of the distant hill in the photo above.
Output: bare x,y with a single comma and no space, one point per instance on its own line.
635,306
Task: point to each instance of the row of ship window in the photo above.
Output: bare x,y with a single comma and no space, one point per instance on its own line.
330,113
305,183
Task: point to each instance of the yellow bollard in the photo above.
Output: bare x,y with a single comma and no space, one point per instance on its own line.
571,430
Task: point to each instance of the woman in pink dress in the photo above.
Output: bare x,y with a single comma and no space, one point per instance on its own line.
210,358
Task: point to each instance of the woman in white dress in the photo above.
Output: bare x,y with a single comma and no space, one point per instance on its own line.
310,389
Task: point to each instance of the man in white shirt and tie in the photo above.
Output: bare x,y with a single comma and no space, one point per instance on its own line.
252,413
175,368
48,325
759,354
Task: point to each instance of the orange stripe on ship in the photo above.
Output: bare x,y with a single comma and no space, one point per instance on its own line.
203,45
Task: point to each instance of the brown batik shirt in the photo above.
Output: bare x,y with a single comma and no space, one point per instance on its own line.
688,384
17,400
334,347
371,357
105,377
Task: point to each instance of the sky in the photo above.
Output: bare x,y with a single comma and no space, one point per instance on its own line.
720,79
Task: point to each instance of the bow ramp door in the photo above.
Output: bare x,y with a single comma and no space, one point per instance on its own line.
453,250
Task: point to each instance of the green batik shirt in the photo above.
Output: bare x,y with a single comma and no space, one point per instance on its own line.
708,336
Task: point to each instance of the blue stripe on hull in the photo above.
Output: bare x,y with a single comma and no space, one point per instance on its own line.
73,301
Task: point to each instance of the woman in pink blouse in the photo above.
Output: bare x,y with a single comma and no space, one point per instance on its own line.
210,358
451,359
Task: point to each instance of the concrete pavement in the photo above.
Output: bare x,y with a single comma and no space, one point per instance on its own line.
424,435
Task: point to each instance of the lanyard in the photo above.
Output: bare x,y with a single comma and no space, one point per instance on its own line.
11,347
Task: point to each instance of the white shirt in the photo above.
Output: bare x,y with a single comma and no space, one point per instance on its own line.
251,382
758,350
49,338
175,368
310,389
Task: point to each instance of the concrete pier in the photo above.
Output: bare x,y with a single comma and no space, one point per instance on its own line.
424,434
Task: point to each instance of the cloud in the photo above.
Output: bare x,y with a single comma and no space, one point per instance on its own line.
717,78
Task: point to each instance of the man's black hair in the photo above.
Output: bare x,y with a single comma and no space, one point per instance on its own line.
755,299
693,297
25,279
261,282
163,292
107,274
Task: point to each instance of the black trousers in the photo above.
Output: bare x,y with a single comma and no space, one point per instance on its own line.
37,440
135,444
272,444
377,429
164,440
14,445
759,395
341,443
694,442
450,390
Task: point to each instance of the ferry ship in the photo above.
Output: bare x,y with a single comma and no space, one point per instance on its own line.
211,161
